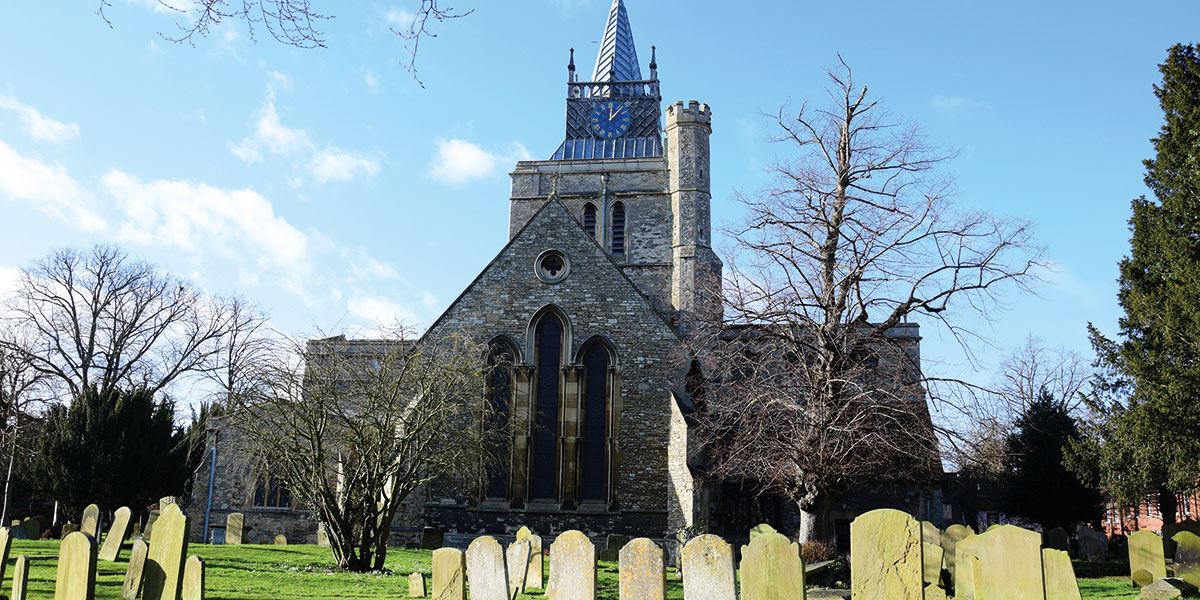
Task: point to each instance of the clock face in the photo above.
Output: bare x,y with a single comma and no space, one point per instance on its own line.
610,119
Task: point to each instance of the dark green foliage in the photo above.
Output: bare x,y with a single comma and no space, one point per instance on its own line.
1148,397
120,448
1037,485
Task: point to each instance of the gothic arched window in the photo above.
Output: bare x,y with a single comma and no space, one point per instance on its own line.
589,219
501,357
618,229
549,335
594,459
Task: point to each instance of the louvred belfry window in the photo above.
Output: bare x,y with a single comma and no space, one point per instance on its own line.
618,229
589,219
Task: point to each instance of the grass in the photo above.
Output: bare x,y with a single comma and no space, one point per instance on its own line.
295,572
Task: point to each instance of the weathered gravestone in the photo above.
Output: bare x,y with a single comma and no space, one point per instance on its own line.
76,578
933,592
885,556
431,538
68,529
117,533
966,563
150,520
1057,539
164,563
33,528
193,579
1170,529
1146,560
5,547
1093,545
1010,564
281,540
1187,557
950,538
642,571
760,529
1167,589
166,501
323,536
572,567
930,534
535,573
449,574
708,570
1059,575
20,584
931,563
416,585
135,574
516,561
772,569
612,546
235,528
90,523
486,575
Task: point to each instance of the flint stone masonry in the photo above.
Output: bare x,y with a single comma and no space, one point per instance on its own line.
885,556
486,575
449,574
76,578
572,567
708,570
1059,575
642,571
1146,554
772,569
90,523
117,534
1010,564
164,564
135,573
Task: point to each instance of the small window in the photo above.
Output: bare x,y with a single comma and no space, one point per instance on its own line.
269,492
589,219
618,229
551,266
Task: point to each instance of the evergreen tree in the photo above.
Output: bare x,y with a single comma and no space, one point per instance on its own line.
1037,485
1148,399
120,448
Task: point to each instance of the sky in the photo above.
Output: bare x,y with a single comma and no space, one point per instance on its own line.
332,189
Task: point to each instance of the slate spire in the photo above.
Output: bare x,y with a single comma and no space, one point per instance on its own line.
617,60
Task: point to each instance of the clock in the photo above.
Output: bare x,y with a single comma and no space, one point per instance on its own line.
609,119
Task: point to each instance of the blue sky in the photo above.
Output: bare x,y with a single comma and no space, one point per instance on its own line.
331,189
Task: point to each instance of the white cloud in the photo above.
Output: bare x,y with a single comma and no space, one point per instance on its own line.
47,188
380,312
459,161
38,125
335,164
399,19
953,103
371,79
9,278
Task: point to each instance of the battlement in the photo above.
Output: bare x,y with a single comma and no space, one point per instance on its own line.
692,112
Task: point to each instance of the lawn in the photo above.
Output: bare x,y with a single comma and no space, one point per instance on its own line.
295,572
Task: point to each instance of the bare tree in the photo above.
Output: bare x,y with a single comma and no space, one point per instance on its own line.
816,393
97,318
22,389
242,352
352,428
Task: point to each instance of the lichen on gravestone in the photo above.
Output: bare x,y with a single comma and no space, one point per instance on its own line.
135,573
1010,564
76,574
1146,554
449,574
1058,575
193,579
20,584
772,569
90,523
516,562
164,564
1187,557
572,567
885,556
535,573
416,585
111,548
235,524
487,577
642,571
708,570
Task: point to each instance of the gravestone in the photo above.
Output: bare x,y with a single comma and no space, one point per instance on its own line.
68,529
1010,563
5,547
1146,555
966,566
193,579
166,501
1093,545
535,574
431,538
1170,529
235,529
572,567
449,574
33,528
950,538
612,547
772,569
1187,557
76,578
90,523
281,540
933,592
486,575
642,571
1167,589
323,537
1057,539
708,571
116,535
760,529
149,530
135,574
930,534
164,563
20,584
1059,575
416,585
885,556
931,563
516,562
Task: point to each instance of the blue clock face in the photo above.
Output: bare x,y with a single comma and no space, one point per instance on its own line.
610,119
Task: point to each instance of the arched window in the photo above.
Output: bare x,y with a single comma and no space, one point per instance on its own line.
589,219
549,333
501,357
593,457
618,229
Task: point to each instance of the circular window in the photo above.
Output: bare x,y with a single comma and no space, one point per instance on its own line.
552,266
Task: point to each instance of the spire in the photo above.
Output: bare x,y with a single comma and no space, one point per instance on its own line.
617,60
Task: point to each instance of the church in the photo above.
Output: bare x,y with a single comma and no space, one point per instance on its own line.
608,261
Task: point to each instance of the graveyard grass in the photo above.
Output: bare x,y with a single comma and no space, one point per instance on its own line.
294,572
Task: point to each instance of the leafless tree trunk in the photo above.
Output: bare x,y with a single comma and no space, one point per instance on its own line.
810,389
21,388
352,428
97,318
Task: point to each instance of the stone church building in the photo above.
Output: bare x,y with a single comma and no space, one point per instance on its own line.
608,259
